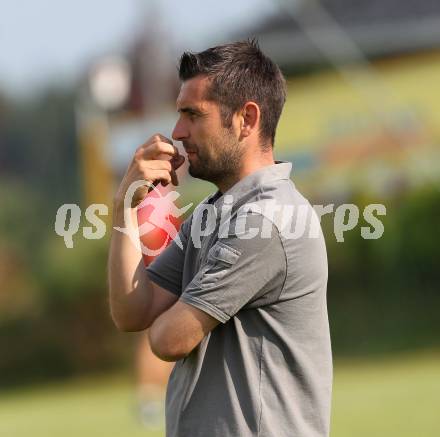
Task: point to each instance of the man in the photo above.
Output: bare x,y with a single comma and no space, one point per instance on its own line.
241,309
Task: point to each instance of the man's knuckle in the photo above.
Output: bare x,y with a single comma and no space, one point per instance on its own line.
155,148
138,161
162,146
138,152
140,164
156,137
148,175
166,175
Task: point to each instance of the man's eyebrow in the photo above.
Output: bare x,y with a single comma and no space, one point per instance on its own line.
189,109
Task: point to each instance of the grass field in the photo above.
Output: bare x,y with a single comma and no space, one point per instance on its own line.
381,398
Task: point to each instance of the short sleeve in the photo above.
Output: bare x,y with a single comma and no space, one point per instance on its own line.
238,269
167,268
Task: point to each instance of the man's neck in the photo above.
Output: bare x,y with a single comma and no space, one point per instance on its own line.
248,167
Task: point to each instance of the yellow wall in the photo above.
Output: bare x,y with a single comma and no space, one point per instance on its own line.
365,129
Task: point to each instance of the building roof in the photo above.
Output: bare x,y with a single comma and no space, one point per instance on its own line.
376,27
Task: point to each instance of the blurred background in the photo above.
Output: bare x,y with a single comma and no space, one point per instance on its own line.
82,84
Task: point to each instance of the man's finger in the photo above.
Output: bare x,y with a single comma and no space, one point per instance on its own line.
156,165
152,151
159,175
163,138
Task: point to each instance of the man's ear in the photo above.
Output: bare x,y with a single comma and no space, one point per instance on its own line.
249,119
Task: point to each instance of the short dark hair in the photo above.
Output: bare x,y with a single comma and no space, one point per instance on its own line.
240,72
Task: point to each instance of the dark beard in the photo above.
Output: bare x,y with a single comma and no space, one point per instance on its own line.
225,164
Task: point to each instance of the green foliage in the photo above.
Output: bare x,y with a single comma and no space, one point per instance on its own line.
68,330
383,294
54,318
38,146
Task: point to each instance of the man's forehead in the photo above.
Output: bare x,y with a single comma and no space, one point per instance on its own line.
193,92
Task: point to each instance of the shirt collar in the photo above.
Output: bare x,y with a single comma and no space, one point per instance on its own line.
279,171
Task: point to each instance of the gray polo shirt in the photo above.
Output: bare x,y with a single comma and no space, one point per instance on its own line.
254,258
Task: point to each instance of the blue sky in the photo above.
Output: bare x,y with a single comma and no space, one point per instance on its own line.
43,41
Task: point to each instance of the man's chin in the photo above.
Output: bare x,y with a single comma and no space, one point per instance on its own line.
197,173
193,171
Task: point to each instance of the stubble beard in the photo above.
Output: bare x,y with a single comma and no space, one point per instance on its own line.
223,164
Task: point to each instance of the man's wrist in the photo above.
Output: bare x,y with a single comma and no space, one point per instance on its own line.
119,213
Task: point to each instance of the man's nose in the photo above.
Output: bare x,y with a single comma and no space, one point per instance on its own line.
180,132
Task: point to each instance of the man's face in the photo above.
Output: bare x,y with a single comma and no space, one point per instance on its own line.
214,152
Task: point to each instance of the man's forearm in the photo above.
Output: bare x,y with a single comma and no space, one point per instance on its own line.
134,300
129,287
